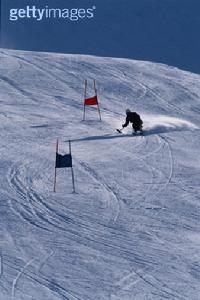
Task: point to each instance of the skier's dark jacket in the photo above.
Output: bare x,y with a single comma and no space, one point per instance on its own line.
134,118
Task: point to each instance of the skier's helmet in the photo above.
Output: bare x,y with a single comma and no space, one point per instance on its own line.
128,111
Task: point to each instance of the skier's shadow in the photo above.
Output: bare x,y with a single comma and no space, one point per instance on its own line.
148,132
101,137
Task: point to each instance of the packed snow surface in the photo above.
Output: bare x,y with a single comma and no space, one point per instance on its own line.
132,229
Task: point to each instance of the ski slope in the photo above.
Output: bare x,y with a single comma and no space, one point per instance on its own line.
131,230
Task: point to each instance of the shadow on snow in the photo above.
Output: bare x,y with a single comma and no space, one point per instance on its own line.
147,132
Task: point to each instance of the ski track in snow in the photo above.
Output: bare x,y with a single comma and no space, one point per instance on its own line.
150,168
15,87
75,232
164,185
156,95
127,282
27,210
106,186
14,284
42,264
44,217
134,277
141,260
43,70
40,280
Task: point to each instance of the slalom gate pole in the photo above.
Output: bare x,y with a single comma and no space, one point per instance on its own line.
85,95
54,188
73,181
73,184
98,108
95,89
99,111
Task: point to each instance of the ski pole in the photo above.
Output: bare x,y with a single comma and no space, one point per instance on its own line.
120,130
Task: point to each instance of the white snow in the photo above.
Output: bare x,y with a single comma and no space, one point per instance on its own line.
131,231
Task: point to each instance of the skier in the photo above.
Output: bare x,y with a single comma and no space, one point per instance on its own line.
135,119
